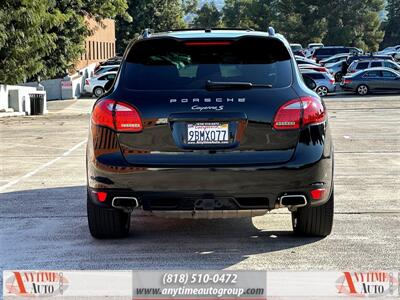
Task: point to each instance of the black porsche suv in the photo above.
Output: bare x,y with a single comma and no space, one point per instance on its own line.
209,124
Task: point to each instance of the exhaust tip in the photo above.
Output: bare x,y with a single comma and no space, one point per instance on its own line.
125,203
293,201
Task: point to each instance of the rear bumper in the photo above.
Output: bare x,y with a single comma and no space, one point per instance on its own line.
247,187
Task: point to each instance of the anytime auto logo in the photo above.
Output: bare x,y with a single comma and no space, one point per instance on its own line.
35,284
368,284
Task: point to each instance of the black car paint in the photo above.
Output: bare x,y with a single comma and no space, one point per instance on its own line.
258,167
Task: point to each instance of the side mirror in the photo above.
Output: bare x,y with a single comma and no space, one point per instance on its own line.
310,83
108,85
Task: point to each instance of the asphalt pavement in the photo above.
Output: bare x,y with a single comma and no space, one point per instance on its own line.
43,213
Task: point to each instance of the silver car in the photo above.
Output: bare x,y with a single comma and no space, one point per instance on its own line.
334,59
335,70
104,69
95,85
359,65
325,82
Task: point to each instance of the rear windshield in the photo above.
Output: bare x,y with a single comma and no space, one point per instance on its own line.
166,64
331,51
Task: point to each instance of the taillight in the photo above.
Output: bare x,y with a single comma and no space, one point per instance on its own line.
299,112
346,81
321,69
332,81
117,115
87,82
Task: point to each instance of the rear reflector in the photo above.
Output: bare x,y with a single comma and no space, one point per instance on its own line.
101,196
299,112
317,194
117,115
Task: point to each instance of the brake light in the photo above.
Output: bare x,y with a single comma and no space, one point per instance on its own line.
207,43
117,115
87,82
299,112
332,80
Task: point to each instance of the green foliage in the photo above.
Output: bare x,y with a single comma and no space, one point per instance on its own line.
392,27
354,23
341,22
155,14
208,16
45,37
236,14
25,38
301,21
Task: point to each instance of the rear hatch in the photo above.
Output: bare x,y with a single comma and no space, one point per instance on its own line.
207,102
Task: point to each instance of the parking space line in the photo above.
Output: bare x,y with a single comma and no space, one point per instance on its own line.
42,167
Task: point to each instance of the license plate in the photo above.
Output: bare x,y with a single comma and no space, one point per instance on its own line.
207,133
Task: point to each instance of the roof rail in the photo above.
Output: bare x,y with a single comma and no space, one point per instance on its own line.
271,31
146,33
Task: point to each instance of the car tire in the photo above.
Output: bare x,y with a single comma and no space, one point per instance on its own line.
98,91
338,77
322,91
362,90
314,221
107,223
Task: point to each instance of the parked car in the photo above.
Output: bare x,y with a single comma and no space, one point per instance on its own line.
96,85
297,49
352,58
105,69
367,64
317,68
201,141
390,49
311,48
334,59
325,82
336,70
372,80
300,60
109,62
328,51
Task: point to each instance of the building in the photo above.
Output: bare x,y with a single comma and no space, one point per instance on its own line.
100,45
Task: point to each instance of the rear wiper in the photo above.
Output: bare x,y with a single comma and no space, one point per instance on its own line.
220,86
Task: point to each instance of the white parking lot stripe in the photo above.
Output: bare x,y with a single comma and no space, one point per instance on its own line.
40,168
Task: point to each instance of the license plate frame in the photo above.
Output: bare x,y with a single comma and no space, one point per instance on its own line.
207,133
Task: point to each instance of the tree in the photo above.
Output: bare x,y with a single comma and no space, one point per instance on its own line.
392,27
45,37
25,38
236,14
300,21
208,16
71,34
154,14
354,23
